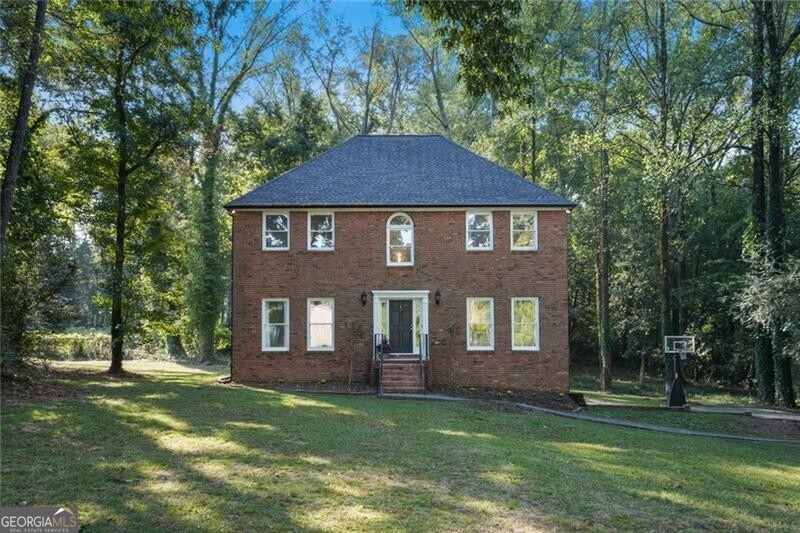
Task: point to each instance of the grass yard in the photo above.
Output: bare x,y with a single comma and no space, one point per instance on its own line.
636,402
628,391
712,422
175,450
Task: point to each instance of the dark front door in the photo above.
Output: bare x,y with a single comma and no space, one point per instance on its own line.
401,328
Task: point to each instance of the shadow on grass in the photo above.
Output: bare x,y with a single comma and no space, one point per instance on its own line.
178,451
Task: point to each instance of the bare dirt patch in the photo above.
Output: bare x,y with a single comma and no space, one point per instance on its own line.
551,400
36,383
333,387
771,428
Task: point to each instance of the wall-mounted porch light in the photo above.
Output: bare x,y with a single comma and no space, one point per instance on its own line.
364,298
437,297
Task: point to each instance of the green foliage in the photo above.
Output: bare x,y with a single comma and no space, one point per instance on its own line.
91,345
41,255
544,88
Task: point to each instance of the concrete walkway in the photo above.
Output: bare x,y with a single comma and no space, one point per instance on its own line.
769,414
654,427
601,419
756,412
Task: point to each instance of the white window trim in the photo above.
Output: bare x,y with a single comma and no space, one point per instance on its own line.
535,347
264,347
310,348
420,298
309,232
388,245
535,230
491,231
264,231
491,308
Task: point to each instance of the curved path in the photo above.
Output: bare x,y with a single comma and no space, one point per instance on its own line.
654,427
602,419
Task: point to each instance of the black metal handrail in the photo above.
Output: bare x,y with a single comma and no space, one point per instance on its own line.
424,346
377,353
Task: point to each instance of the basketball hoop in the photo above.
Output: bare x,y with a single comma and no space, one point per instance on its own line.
680,346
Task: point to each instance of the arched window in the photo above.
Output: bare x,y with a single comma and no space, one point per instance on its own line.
399,240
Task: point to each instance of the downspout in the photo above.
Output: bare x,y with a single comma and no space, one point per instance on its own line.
230,297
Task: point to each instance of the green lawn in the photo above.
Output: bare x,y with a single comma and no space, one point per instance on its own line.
628,391
176,451
711,422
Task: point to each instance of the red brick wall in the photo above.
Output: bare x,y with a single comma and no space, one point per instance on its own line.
441,262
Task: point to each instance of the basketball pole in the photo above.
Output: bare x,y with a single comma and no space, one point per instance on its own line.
676,397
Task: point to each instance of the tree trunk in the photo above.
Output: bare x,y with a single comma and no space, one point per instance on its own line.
21,123
443,118
175,348
762,346
603,274
775,218
641,367
208,287
118,270
664,208
395,93
666,286
368,95
604,252
117,276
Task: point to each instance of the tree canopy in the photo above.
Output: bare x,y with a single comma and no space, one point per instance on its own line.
673,125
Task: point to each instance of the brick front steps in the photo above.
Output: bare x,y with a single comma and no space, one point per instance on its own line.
402,375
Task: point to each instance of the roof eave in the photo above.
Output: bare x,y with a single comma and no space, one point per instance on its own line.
230,207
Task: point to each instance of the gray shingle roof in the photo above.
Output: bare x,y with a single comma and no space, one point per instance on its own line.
399,171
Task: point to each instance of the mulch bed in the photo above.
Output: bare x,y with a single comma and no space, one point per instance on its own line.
332,387
493,399
550,400
774,428
35,383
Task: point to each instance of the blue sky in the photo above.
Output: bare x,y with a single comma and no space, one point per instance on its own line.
363,13
358,14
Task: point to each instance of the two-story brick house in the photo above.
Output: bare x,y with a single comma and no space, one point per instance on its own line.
458,264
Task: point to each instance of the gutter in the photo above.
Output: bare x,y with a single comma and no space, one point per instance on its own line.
231,207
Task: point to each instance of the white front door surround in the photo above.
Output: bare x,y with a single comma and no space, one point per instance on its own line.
380,315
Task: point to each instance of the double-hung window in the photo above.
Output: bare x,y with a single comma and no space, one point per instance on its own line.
479,231
276,231
321,235
274,324
480,323
320,324
525,323
524,230
399,240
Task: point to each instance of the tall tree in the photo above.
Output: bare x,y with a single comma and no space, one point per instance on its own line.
421,32
325,56
120,53
677,90
778,45
231,42
765,371
20,128
605,54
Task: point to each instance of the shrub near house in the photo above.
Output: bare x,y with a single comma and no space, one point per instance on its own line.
409,236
